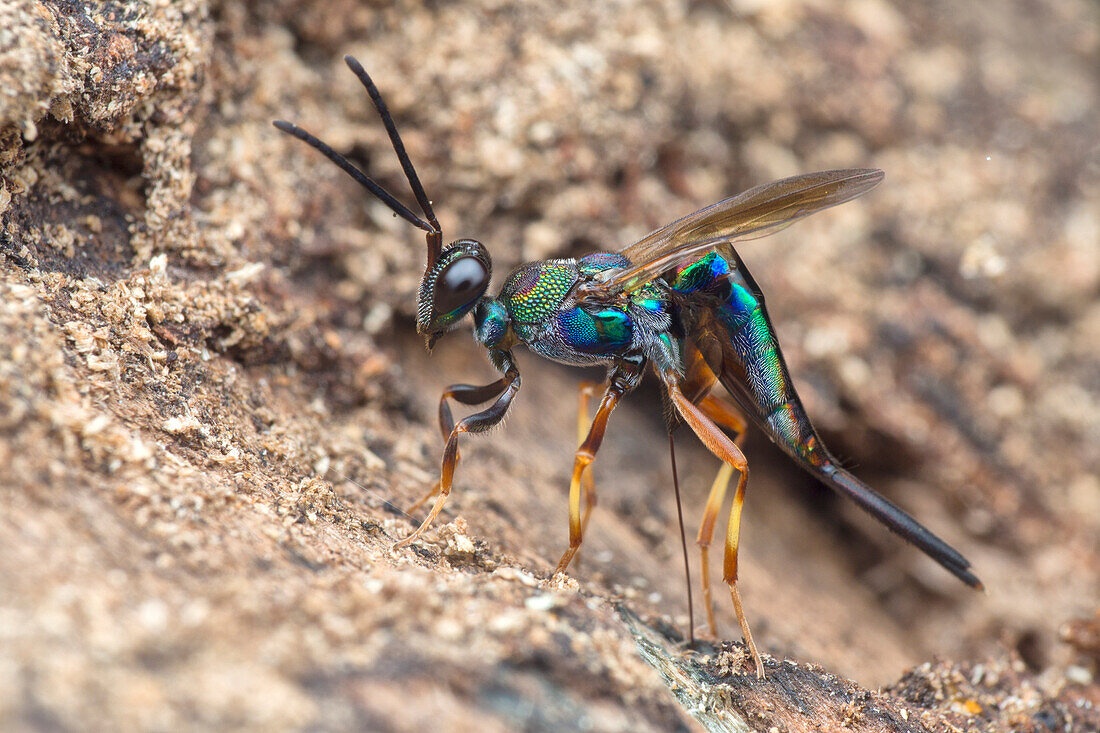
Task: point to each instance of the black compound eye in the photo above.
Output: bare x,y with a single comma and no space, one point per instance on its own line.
460,284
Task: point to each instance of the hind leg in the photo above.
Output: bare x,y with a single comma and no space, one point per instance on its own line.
720,445
706,535
727,416
696,386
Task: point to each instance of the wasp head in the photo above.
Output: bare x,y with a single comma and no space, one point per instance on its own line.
451,287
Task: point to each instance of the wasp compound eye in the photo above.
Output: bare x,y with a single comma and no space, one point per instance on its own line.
452,286
460,284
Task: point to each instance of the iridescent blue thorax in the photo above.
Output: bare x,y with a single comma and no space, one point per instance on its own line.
537,307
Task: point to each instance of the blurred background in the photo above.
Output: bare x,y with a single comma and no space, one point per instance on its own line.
213,387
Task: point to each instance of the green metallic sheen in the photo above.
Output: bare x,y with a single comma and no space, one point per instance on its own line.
491,323
700,273
535,291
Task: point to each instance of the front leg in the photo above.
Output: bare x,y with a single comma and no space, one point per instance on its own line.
479,422
626,376
466,394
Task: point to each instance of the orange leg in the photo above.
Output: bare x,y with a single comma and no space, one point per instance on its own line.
625,378
706,534
720,445
506,388
726,415
585,454
467,395
584,423
696,385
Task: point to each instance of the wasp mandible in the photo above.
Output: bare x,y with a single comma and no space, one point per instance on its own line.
680,303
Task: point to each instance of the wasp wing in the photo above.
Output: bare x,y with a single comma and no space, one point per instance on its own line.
755,213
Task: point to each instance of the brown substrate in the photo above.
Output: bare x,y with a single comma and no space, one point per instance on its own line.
212,401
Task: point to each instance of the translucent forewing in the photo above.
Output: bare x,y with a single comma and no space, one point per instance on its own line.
757,212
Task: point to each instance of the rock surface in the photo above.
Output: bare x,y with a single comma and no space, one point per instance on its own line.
212,400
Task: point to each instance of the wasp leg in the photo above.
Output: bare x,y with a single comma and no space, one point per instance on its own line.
706,533
720,445
581,459
726,415
466,394
584,423
476,423
696,385
626,376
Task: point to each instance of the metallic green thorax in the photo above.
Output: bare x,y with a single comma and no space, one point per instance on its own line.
539,306
535,291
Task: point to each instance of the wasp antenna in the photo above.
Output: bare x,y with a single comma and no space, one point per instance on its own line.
435,235
364,180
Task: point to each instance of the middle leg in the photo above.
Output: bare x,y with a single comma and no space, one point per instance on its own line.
584,424
584,456
628,372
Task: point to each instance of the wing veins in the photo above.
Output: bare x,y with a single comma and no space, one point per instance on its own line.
755,213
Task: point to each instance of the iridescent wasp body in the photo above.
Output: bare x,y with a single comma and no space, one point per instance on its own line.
679,302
